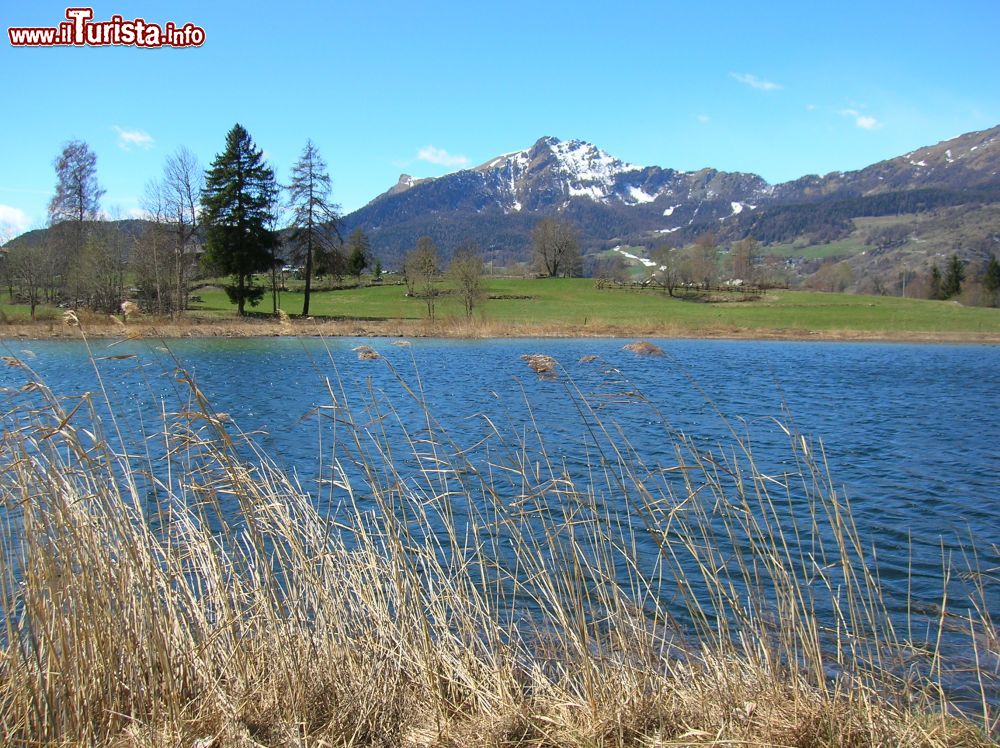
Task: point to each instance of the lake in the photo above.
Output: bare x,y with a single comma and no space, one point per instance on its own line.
911,432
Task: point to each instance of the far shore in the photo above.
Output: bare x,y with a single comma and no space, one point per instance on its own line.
108,328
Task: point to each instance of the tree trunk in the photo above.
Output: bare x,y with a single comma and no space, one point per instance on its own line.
308,287
274,290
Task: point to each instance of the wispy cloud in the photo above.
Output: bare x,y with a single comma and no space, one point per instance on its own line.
864,121
440,156
129,138
748,79
703,119
13,222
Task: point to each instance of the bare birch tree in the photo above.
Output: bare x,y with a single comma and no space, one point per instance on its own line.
466,271
557,249
183,179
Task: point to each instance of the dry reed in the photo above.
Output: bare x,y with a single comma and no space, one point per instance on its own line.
196,595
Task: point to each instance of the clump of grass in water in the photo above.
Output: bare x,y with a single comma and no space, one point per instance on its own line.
544,366
366,353
643,348
489,601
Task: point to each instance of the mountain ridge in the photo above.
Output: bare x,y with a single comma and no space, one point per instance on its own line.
613,201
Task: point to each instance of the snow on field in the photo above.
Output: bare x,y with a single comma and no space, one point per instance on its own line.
647,262
670,211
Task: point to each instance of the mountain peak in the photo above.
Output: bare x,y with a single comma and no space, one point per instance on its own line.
405,182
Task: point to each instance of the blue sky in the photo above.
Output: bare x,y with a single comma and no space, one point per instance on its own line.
781,89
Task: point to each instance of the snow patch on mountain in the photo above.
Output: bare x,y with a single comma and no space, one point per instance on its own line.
639,195
593,191
670,211
737,208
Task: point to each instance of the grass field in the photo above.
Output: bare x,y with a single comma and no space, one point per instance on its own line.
555,306
840,248
576,302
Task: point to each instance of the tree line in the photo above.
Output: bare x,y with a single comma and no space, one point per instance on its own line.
223,221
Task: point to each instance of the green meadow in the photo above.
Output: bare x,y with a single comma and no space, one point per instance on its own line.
577,302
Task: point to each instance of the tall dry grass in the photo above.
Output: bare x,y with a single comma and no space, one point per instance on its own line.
179,589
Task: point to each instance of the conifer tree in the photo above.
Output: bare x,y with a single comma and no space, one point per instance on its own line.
314,215
991,281
238,203
78,194
952,285
934,285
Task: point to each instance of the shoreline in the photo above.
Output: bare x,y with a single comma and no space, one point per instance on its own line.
458,329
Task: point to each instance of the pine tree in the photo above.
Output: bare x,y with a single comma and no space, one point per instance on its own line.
934,285
78,194
991,281
238,203
75,204
314,216
952,285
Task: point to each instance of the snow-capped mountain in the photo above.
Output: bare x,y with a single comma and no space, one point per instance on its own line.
552,173
610,201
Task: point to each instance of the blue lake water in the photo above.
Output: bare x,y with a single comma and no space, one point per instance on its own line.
912,432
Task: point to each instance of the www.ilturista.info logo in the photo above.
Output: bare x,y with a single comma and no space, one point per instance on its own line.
79,30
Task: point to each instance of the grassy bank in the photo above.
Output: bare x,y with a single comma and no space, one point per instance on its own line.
570,306
187,592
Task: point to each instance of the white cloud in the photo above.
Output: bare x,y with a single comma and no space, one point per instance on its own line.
747,79
440,156
704,119
864,121
129,138
13,222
